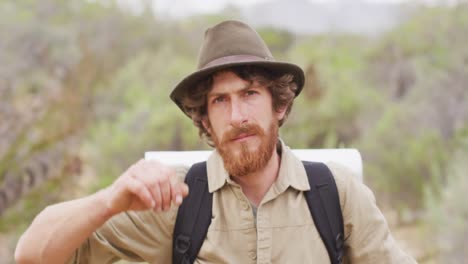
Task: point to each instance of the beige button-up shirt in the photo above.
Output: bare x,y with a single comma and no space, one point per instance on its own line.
283,232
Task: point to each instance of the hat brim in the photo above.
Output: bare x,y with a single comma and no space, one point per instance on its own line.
193,79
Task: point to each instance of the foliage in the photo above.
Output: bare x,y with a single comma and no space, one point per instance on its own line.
447,211
400,163
334,95
135,114
421,75
279,41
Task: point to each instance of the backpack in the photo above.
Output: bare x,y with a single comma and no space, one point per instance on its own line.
323,203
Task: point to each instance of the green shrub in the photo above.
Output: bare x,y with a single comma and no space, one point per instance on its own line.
447,211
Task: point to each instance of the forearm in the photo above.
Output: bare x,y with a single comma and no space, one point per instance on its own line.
60,229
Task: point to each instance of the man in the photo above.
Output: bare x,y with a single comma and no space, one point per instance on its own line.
238,98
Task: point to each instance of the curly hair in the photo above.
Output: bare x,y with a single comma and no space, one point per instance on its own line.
281,86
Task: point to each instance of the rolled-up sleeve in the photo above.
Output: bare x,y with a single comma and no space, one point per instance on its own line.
367,235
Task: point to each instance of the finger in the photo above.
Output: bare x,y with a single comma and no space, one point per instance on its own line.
185,189
164,175
138,189
165,189
159,174
176,193
147,176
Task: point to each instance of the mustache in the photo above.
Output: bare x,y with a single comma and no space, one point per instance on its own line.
236,131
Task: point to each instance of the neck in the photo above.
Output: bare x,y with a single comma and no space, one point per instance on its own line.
255,185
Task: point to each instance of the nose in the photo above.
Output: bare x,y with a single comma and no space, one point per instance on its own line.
238,113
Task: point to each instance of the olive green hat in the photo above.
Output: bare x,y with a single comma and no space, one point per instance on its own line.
232,43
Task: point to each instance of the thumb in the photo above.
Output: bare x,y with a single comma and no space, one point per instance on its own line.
185,189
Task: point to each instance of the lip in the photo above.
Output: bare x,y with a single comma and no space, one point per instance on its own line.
242,137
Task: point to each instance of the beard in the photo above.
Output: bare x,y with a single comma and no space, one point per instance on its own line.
244,161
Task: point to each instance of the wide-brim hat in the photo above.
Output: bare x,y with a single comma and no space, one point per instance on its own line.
228,44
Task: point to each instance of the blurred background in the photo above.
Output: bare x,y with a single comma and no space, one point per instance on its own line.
84,91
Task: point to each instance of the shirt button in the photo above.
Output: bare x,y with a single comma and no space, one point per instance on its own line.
253,255
245,206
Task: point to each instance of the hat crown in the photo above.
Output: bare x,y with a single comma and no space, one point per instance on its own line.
231,38
229,44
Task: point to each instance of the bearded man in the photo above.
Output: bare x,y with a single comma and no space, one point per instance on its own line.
238,98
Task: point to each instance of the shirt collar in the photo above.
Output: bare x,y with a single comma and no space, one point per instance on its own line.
217,174
291,172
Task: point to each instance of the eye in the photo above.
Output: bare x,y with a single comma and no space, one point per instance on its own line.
250,92
218,99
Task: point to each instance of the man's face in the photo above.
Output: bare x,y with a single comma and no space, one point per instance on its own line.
242,123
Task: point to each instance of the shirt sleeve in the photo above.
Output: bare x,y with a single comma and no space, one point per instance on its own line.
367,235
132,236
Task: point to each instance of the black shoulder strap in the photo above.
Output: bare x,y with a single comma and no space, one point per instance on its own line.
195,211
324,205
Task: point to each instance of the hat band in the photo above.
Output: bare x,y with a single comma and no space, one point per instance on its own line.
235,59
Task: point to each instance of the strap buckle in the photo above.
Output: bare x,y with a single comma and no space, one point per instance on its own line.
182,244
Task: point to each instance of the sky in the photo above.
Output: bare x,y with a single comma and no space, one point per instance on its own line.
181,8
187,7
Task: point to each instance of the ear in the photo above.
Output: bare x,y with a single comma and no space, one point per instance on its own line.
281,113
206,124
